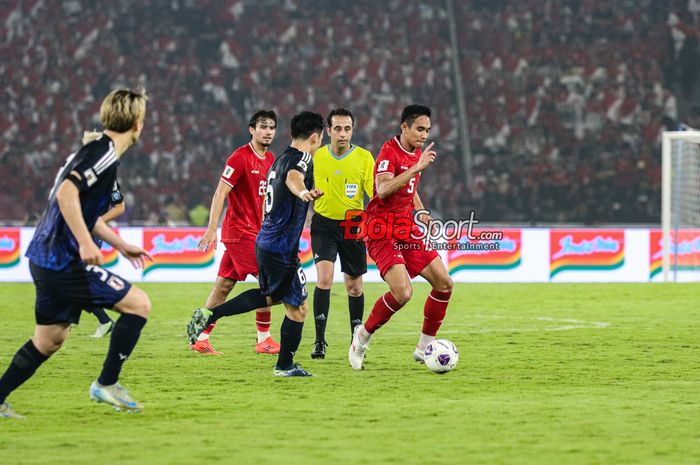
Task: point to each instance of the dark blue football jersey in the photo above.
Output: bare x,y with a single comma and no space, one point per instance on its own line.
53,245
285,213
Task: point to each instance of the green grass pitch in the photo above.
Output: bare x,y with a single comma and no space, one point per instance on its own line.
548,374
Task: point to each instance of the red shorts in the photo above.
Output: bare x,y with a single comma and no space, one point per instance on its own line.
239,260
411,252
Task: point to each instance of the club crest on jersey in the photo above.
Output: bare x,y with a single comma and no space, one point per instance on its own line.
90,176
351,190
228,171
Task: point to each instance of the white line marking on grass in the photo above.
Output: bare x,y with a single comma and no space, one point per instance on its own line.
569,324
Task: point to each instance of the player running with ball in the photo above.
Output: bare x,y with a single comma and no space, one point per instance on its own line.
397,172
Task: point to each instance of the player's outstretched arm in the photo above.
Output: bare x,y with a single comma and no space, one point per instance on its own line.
68,198
210,237
295,184
136,255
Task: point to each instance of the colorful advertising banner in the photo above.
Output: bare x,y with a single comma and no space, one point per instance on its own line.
463,253
175,248
109,253
306,256
9,247
585,250
685,256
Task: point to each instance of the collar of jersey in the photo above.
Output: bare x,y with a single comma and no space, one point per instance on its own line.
250,144
352,147
398,142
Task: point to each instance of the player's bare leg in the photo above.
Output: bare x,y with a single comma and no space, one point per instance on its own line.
46,341
322,301
400,292
290,337
435,305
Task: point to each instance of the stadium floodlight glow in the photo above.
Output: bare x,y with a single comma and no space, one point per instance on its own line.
680,193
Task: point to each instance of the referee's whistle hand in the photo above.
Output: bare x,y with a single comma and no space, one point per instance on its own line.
315,193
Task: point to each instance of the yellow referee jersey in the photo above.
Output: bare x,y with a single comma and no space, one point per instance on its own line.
344,180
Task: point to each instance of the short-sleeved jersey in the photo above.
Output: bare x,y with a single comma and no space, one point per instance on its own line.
53,245
344,180
116,197
285,213
394,159
246,173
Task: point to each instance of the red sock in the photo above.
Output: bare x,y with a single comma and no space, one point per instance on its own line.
209,329
383,309
262,321
434,311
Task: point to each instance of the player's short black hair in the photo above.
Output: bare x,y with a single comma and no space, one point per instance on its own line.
411,112
261,115
305,124
339,112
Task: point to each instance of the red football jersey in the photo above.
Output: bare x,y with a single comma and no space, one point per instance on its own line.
246,173
394,159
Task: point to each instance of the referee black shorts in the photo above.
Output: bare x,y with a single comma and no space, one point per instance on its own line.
327,243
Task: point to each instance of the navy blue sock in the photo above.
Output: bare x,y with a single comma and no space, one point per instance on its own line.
100,314
243,303
124,338
289,343
22,367
356,305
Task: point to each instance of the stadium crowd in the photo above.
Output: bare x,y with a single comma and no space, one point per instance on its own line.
565,99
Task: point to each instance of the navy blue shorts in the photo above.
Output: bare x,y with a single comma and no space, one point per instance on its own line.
62,295
281,277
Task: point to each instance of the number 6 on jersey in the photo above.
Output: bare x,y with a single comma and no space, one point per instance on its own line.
269,193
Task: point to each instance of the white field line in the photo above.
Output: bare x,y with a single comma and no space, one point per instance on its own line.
564,324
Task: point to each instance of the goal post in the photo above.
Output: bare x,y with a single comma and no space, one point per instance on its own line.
680,194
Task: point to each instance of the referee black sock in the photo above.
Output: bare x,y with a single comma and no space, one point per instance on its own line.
356,305
124,338
322,302
22,367
289,343
243,303
100,314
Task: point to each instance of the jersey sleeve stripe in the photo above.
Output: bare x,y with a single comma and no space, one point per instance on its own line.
104,157
225,182
385,172
104,162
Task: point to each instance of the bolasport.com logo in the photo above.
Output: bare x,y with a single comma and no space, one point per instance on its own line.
409,232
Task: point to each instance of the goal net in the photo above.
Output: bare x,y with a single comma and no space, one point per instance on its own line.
680,205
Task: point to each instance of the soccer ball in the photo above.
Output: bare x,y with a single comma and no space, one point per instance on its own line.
441,356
